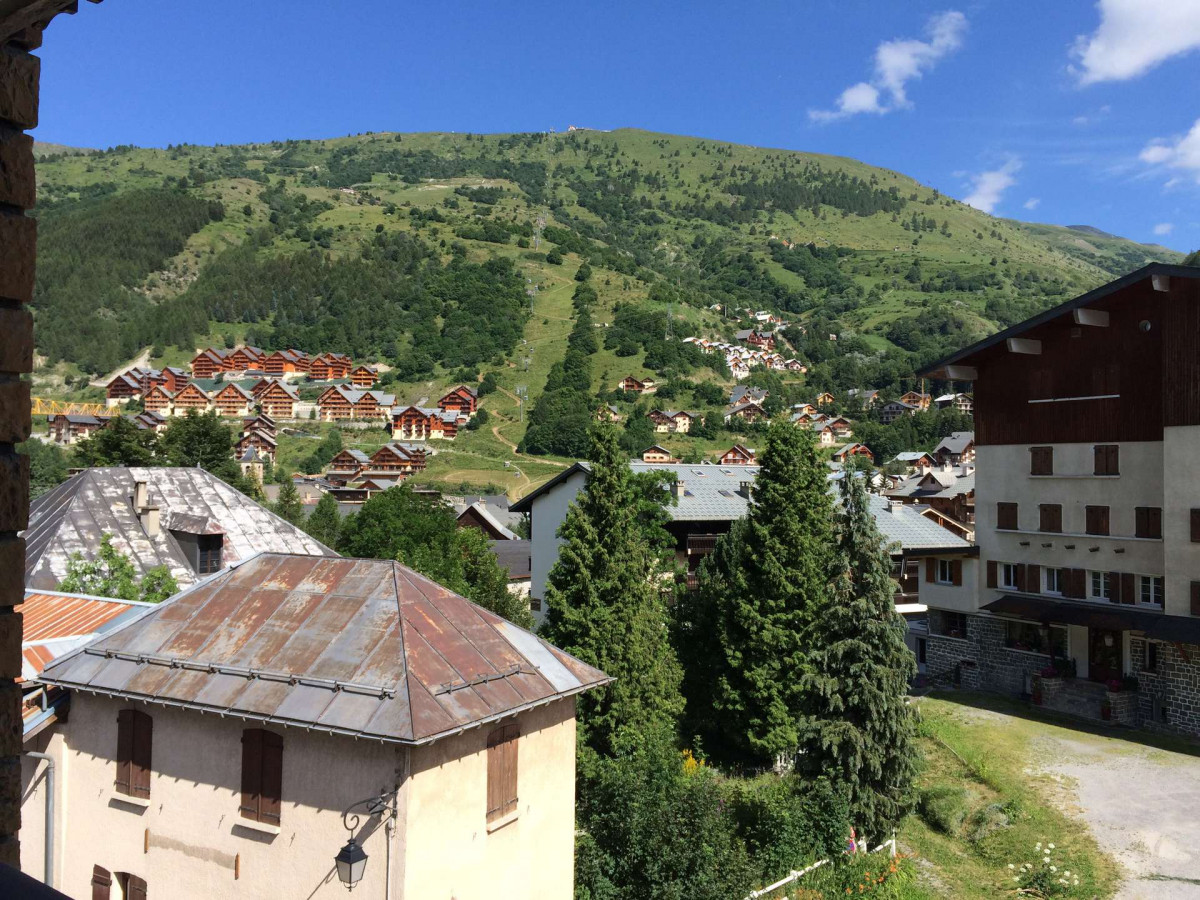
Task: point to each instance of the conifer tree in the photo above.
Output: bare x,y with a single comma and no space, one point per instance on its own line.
606,601
288,504
325,522
857,728
756,598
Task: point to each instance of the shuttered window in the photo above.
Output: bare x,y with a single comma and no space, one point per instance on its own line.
1096,519
1107,459
133,887
101,883
502,772
1195,610
1050,517
1147,522
262,776
992,573
134,739
1006,516
1196,526
1041,460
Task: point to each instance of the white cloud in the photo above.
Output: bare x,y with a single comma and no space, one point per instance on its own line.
988,187
1163,228
1033,203
898,62
1134,36
1181,153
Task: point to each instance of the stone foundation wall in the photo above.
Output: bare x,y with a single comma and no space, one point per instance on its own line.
1168,697
981,658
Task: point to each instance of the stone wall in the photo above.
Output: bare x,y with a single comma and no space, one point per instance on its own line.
981,659
1168,697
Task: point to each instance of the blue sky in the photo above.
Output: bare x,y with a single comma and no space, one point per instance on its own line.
1069,112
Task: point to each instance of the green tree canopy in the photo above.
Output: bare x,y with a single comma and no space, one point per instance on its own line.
112,574
288,505
121,443
325,521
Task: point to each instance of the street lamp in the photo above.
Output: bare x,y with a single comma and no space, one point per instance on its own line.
351,861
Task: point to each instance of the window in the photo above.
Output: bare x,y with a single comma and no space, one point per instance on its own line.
1009,576
1036,638
1053,581
262,775
1100,586
950,624
1150,590
945,571
209,554
1108,460
1050,517
1096,519
101,883
1041,460
132,887
1151,657
134,735
502,772
1147,522
1006,516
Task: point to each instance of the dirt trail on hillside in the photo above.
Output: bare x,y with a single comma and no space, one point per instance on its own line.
142,360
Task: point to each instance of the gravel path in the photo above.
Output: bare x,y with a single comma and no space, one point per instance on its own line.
1141,803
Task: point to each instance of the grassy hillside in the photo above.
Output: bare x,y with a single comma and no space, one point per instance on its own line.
446,256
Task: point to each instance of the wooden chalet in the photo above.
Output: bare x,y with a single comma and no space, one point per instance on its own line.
261,422
233,401
277,399
631,385
347,466
123,387
244,358
67,429
748,411
210,363
260,441
152,421
340,402
657,454
890,412
917,399
461,399
841,426
842,454
329,367
416,423
824,434
363,377
158,399
824,399
738,455
286,362
397,459
191,397
171,377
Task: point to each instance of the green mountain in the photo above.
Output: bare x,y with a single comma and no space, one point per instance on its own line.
442,256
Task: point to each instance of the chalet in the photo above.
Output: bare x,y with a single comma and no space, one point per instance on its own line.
340,402
347,466
738,455
914,459
657,454
742,394
397,459
671,421
806,409
748,412
286,362
210,363
842,427
233,401
122,388
329,367
964,403
794,365
631,385
843,454
863,398
191,399
917,399
150,420
263,443
67,429
948,489
417,423
244,358
479,515
738,369
824,434
825,399
462,399
608,413
363,377
890,412
261,422
171,377
760,339
958,448
277,399
158,399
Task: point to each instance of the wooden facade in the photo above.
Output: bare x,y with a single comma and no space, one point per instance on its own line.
657,454
123,387
738,455
395,459
461,399
233,401
257,440
417,424
276,401
363,377
158,399
244,358
191,398
339,402
209,363
286,362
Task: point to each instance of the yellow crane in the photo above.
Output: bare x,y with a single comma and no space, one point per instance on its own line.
42,407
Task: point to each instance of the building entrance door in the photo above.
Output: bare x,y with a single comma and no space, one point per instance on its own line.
1104,655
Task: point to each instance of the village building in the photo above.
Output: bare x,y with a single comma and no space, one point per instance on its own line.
347,466
192,398
742,394
961,402
657,454
397,459
158,400
738,455
760,339
1088,525
631,385
825,399
233,401
843,454
276,398
183,518
956,449
252,465
282,363
329,367
916,399
479,515
863,398
340,402
824,434
462,399
244,358
747,412
417,423
516,557
608,413
123,388
950,490
150,420
363,377
67,429
210,363
263,443
241,717
913,460
890,412
671,421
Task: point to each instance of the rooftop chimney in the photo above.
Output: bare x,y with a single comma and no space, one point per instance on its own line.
148,515
746,488
141,495
677,489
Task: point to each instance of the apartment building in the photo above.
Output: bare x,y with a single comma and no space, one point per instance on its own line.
1087,439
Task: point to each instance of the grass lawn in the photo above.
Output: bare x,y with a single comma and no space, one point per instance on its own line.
985,805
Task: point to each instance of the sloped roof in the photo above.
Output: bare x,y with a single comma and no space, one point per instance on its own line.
904,525
481,509
360,647
516,557
72,517
55,623
957,442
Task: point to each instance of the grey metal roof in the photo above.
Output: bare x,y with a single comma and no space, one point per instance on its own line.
72,517
911,456
515,556
957,442
904,525
360,647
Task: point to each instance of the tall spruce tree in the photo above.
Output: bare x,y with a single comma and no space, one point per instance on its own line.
756,597
325,521
857,728
606,597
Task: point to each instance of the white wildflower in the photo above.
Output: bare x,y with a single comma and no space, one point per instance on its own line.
1053,868
1011,866
1051,846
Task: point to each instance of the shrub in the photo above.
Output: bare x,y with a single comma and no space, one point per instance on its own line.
987,821
943,807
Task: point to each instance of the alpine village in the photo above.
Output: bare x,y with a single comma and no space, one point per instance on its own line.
595,514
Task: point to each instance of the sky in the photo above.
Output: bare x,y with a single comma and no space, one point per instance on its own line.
1073,112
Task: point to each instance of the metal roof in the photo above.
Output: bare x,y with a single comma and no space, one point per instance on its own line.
54,623
957,442
72,517
515,556
904,525
360,647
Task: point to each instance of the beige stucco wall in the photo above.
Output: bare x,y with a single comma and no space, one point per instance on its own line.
450,853
195,832
33,802
963,598
1181,462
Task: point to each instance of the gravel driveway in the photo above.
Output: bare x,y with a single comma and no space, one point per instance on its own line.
1141,803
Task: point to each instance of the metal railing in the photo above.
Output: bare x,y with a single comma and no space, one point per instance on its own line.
800,873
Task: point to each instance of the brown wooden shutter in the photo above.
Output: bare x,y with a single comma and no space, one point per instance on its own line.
1114,460
251,773
1196,598
1196,526
930,569
1128,590
992,576
1051,518
139,770
101,883
1139,521
1033,579
1021,576
502,772
956,571
1097,519
1078,583
272,778
1154,521
124,781
135,888
1114,587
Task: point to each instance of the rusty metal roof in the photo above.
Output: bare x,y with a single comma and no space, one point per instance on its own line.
72,517
54,623
361,647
